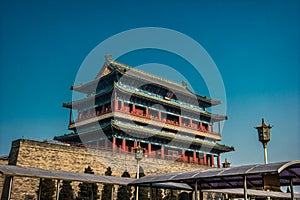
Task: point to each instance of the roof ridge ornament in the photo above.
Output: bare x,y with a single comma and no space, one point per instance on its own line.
108,58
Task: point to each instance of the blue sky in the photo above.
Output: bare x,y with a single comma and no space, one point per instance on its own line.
255,45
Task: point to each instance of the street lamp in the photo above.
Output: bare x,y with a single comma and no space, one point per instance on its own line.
264,136
138,157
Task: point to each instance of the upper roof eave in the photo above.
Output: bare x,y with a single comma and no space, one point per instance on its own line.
164,82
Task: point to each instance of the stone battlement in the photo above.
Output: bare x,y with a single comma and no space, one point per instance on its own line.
29,153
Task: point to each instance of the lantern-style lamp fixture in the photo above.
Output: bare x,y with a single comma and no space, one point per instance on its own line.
138,152
264,136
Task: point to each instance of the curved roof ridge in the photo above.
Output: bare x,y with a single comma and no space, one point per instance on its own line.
147,73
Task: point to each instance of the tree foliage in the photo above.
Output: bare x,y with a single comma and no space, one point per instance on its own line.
170,194
124,192
47,189
66,192
88,191
209,196
185,196
157,193
106,191
218,196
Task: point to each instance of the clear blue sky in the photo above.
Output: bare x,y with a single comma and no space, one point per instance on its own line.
255,44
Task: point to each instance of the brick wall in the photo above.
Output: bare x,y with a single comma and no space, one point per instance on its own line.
28,153
2,162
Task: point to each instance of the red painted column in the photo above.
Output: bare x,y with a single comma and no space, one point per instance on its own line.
147,112
122,105
114,145
219,161
212,160
116,105
191,122
204,159
133,108
180,121
124,145
201,160
201,126
135,144
208,128
194,157
162,152
183,155
149,150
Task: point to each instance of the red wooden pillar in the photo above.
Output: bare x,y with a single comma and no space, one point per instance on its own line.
133,108
149,150
159,115
208,128
200,160
122,105
135,144
219,161
180,121
162,152
147,112
194,157
201,126
116,102
124,145
114,145
204,159
183,156
191,123
212,160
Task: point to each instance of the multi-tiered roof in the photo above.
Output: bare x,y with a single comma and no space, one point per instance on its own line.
128,105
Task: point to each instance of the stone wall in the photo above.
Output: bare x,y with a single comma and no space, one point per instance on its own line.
28,153
3,161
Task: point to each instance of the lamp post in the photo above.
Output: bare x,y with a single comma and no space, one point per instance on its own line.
138,157
264,137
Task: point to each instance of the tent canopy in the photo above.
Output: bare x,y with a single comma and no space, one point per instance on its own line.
12,170
230,177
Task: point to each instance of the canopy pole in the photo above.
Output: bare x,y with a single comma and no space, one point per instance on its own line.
292,189
40,189
57,190
201,193
151,192
137,177
196,190
245,188
10,186
112,192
